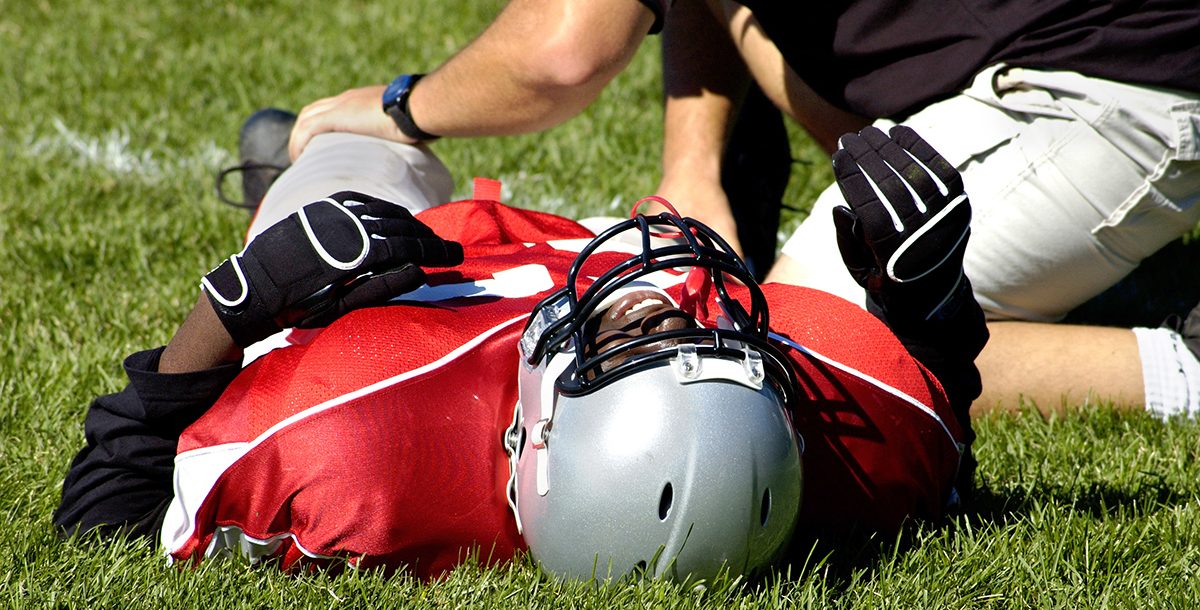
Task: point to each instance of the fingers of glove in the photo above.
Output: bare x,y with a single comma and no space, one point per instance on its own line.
909,140
385,209
856,253
850,179
368,207
357,198
874,216
396,227
920,183
382,287
424,251
894,193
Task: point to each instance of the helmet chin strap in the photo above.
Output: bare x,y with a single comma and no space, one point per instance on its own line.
512,446
697,289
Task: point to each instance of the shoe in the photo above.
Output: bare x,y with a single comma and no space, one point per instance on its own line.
1189,331
262,156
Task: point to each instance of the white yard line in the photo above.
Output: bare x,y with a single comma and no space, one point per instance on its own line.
111,151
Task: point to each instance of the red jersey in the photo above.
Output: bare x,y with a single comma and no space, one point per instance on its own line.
378,440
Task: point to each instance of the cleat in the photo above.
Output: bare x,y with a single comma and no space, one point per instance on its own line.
262,156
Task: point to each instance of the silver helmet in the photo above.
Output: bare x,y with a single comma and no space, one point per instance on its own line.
670,454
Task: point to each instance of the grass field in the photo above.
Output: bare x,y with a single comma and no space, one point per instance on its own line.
113,118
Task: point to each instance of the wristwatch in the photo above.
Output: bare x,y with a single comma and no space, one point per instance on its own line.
395,104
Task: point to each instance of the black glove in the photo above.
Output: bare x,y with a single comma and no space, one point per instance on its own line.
905,232
344,252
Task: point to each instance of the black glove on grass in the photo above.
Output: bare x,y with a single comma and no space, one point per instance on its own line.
904,235
344,252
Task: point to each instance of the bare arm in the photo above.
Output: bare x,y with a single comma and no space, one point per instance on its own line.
538,64
704,78
200,343
824,122
703,81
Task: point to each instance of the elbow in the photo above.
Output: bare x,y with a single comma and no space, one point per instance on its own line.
568,67
575,45
573,71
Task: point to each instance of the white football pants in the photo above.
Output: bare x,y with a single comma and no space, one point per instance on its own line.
1073,181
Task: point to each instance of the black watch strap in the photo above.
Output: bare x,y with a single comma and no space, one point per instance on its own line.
395,104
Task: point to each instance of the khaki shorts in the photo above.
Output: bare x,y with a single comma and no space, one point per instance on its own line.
1073,181
410,176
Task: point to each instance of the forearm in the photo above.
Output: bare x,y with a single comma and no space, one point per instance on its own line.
200,343
823,121
540,63
703,82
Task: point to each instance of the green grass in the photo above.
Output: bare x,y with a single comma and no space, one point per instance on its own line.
113,117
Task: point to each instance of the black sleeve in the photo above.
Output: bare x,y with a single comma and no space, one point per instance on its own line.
947,346
659,8
121,481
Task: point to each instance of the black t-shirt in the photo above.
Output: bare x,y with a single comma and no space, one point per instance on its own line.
888,58
659,8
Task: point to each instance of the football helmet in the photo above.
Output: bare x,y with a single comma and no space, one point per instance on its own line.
671,453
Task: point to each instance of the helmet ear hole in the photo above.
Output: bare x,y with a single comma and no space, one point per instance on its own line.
665,501
764,511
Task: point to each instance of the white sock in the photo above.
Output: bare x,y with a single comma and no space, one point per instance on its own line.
1170,372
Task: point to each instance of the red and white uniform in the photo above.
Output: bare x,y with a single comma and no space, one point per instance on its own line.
378,441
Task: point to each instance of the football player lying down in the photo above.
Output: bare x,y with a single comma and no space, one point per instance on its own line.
671,415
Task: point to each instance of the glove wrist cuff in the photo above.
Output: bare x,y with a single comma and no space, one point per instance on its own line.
243,325
909,309
241,309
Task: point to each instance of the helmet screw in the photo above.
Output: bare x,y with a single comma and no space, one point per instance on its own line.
687,362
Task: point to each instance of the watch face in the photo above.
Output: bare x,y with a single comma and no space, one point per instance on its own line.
392,94
395,105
